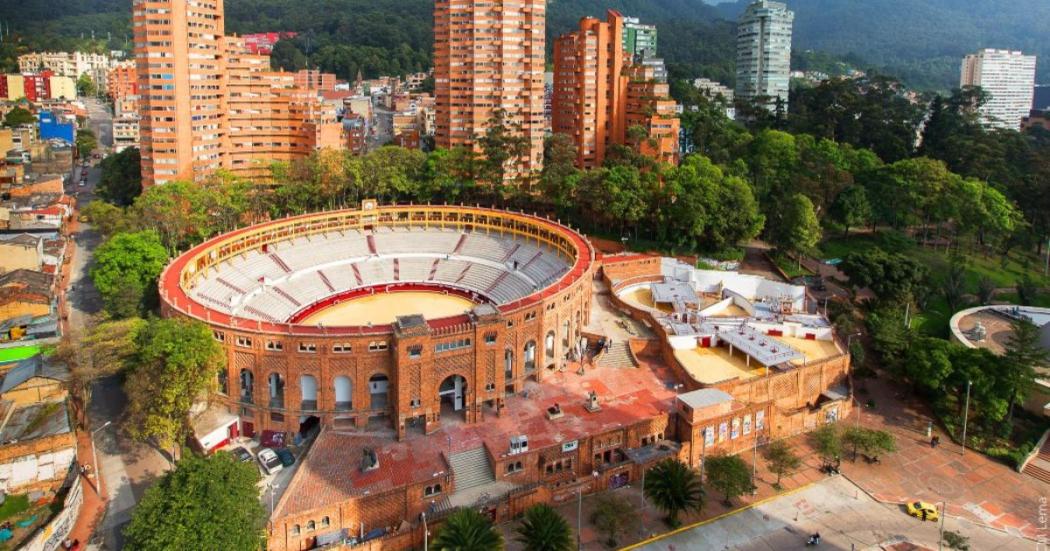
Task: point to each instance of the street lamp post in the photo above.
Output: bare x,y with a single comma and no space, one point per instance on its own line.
966,415
579,518
94,454
944,513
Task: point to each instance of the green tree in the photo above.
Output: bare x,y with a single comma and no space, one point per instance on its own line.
125,272
892,276
86,86
18,116
557,182
106,218
468,530
827,442
204,503
674,488
121,180
851,208
613,516
86,142
1024,353
543,529
730,475
782,460
504,147
177,360
794,226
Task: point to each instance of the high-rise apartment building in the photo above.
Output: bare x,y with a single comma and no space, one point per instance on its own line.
489,56
1009,79
639,39
271,115
207,102
600,91
763,52
650,106
182,89
590,88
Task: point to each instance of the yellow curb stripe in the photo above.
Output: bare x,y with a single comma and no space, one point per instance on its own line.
719,517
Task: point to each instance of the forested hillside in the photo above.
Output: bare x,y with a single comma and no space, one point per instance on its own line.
921,41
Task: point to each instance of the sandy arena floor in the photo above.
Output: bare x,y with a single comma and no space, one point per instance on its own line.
384,308
813,350
714,365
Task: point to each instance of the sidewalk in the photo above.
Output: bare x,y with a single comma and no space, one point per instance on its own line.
975,486
93,507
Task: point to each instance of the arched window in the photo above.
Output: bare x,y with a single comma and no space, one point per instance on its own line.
311,526
325,522
224,382
343,393
247,386
296,530
548,345
308,386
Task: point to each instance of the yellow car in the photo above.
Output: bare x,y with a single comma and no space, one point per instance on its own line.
923,510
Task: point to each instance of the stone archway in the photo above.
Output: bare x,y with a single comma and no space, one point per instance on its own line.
452,395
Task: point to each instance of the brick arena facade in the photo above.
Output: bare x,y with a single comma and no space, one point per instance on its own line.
280,374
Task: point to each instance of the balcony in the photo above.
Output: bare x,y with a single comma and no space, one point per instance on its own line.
344,406
308,405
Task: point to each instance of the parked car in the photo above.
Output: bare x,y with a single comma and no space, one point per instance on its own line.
287,459
923,510
269,461
242,454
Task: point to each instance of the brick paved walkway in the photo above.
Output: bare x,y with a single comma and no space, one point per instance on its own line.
975,486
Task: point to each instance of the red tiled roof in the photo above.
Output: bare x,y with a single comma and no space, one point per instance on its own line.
332,472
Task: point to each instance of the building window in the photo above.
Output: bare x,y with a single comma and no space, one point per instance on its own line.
414,403
308,347
490,338
530,316
415,351
296,530
514,467
244,342
326,522
275,345
219,336
432,490
342,348
311,526
452,345
377,346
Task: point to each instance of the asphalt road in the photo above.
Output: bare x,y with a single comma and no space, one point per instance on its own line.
127,467
100,120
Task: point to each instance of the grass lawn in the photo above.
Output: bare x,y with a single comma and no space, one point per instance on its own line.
18,353
789,266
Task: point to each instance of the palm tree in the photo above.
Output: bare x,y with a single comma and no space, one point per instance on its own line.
468,530
673,487
543,529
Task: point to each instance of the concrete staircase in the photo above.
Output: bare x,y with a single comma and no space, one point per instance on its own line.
1039,466
618,356
471,469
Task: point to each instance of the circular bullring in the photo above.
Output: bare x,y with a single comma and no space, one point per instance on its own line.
302,301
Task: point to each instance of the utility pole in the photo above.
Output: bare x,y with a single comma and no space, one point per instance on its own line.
966,414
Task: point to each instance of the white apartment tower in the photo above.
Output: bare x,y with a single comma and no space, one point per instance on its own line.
1009,79
763,51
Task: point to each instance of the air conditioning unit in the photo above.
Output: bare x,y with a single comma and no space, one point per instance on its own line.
519,444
